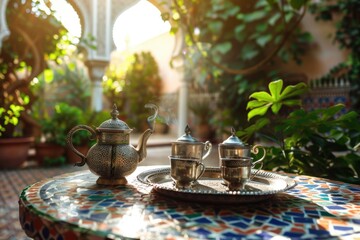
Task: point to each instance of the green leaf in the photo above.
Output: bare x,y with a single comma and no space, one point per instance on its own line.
238,30
249,52
274,19
223,47
260,111
250,17
275,88
276,107
262,96
255,103
263,40
294,90
215,27
254,128
291,103
297,4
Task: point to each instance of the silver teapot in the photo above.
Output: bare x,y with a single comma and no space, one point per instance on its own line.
188,147
112,157
234,147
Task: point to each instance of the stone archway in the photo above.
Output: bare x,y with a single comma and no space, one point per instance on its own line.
97,18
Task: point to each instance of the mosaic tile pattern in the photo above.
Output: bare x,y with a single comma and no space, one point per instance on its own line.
12,182
72,206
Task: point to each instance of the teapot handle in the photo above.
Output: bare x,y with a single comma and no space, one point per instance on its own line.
71,146
255,150
207,149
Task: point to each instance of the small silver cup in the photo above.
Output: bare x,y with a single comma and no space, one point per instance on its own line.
236,171
185,171
188,147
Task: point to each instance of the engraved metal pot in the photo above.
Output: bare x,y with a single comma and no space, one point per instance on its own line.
234,147
188,147
112,157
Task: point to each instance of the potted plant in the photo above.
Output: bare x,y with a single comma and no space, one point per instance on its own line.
54,128
203,114
22,59
138,77
321,142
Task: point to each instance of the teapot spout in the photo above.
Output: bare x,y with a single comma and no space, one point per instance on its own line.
141,147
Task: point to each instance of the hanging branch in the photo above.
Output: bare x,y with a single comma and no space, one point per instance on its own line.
245,71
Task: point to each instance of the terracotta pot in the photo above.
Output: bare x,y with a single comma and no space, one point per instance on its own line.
203,132
14,151
48,150
72,158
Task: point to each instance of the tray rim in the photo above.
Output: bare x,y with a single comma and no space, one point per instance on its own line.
143,176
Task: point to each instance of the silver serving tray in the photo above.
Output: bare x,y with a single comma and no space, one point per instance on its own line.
210,187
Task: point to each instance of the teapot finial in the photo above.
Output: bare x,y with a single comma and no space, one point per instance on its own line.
187,130
233,131
114,112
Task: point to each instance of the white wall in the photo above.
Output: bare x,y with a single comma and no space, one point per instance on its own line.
163,47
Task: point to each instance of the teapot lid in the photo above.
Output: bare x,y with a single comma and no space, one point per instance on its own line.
187,137
114,123
233,139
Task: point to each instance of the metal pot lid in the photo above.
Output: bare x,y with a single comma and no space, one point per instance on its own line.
233,139
114,124
187,138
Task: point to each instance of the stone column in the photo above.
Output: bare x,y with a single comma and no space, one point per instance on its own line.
183,105
96,72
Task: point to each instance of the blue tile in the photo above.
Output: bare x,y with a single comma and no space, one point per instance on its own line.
292,235
294,214
176,215
60,237
319,232
264,235
202,220
202,231
241,225
357,221
279,223
99,216
45,233
83,211
304,220
335,207
231,235
354,189
261,218
343,228
230,218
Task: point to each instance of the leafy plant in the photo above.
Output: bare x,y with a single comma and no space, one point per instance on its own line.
319,142
232,46
23,57
58,124
134,87
54,161
202,110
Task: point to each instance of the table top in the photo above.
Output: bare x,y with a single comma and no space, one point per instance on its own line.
72,206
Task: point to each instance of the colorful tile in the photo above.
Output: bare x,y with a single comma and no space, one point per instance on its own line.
72,205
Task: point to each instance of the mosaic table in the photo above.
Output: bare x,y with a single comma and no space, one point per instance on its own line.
72,206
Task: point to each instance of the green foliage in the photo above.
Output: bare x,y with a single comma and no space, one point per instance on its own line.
134,86
9,117
23,57
58,124
202,110
319,142
54,161
274,99
232,46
